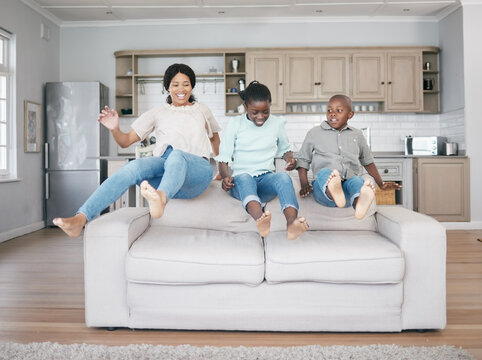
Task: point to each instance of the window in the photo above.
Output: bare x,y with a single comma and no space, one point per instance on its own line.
6,125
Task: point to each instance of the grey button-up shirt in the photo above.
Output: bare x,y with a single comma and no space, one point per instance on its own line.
324,147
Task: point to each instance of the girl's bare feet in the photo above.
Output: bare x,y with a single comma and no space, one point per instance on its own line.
335,191
296,228
367,194
72,226
157,199
264,224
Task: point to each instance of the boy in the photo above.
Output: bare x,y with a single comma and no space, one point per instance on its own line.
335,151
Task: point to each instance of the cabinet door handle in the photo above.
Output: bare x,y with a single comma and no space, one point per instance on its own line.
383,82
389,83
317,83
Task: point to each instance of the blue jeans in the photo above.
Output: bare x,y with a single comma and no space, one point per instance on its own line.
265,187
179,174
351,188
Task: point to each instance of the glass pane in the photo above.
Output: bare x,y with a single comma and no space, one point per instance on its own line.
3,158
3,110
3,87
3,134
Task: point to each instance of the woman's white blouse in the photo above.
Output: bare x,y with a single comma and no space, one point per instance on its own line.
185,128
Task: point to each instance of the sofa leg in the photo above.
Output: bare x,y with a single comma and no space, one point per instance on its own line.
111,328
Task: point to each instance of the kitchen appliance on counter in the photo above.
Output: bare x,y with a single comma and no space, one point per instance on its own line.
75,141
451,148
425,145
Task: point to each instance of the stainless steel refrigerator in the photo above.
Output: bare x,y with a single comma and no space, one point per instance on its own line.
75,141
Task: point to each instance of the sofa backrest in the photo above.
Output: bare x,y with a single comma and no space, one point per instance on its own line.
215,209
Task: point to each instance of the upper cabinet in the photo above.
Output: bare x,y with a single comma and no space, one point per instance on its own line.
316,76
378,79
268,69
404,85
368,76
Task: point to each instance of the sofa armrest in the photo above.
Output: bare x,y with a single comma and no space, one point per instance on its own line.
422,240
107,240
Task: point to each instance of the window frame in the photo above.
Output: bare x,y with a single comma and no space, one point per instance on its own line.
6,69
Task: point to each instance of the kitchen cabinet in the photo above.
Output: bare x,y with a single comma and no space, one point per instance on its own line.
268,69
441,187
368,76
392,77
316,76
404,85
383,79
398,169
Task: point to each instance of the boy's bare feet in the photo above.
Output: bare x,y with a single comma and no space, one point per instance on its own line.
157,199
296,228
72,226
264,224
367,194
335,191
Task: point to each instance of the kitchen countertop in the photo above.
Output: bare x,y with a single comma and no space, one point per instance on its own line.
395,154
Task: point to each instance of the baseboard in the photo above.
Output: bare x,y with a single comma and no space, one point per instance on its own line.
21,231
471,225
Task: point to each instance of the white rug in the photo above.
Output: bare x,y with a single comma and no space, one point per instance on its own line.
47,351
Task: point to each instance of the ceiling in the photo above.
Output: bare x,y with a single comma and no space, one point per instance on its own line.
105,11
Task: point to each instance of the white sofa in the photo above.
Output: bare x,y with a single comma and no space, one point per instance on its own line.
204,266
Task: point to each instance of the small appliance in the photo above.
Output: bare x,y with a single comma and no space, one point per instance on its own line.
451,148
425,145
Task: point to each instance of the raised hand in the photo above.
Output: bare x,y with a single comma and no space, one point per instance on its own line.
109,118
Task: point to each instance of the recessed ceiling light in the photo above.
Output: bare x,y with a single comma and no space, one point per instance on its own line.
220,12
318,11
108,12
406,9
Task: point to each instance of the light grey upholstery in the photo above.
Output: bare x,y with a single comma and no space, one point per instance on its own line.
204,266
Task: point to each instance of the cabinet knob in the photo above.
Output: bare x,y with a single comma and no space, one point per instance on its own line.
383,82
389,83
385,171
280,84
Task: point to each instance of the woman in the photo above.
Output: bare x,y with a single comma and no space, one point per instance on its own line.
180,167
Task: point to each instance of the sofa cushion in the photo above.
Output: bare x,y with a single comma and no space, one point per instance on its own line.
333,256
321,217
215,209
167,255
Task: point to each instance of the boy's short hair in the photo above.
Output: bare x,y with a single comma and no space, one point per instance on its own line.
344,98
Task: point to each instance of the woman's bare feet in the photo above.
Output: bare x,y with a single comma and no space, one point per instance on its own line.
72,226
335,191
157,199
296,228
367,194
264,224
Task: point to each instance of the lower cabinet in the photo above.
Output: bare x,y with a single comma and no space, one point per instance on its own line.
441,188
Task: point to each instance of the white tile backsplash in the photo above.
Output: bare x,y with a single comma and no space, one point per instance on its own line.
387,130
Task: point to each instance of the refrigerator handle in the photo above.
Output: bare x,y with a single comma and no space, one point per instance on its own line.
47,187
46,155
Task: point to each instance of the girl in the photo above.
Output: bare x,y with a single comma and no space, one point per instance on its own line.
250,143
180,167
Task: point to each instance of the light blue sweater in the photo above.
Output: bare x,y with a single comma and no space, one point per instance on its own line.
251,149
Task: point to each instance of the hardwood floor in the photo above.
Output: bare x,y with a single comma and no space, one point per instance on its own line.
42,299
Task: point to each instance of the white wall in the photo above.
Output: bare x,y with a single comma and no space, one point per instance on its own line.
452,122
37,61
472,15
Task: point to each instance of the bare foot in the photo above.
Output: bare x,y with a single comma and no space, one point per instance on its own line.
72,226
157,199
296,228
367,194
264,224
335,190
